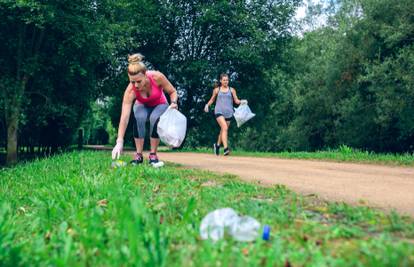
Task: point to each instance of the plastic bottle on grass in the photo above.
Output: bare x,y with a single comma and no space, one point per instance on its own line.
241,228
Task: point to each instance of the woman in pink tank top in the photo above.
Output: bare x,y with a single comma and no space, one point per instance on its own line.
145,93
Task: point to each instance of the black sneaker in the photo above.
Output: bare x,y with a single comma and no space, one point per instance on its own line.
153,158
226,151
138,159
216,149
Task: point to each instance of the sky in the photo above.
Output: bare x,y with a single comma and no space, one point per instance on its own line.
301,13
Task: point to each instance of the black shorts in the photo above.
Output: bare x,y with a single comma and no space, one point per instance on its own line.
219,114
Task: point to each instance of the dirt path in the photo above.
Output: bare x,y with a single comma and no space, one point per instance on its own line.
379,186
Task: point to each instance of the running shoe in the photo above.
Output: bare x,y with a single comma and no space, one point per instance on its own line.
216,149
153,158
226,151
138,159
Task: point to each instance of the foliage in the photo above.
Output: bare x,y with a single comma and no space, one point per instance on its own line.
349,81
353,81
53,54
198,40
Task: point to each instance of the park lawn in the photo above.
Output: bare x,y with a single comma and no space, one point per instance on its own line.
342,154
74,210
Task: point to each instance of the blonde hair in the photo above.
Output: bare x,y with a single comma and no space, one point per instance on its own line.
136,65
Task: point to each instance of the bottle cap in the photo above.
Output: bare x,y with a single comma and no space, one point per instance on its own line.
266,232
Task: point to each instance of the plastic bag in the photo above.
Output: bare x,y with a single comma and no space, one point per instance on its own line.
243,114
172,127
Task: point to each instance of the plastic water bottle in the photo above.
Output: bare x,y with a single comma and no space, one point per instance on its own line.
241,228
213,225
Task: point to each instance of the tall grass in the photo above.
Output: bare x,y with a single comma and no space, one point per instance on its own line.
74,210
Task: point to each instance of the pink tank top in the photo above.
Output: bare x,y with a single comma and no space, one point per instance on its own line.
157,96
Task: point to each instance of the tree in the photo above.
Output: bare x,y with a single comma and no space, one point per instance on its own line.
192,42
52,51
353,84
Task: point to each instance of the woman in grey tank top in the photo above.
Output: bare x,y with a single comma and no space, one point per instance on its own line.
223,111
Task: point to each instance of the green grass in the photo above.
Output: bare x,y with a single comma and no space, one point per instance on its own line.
343,153
73,210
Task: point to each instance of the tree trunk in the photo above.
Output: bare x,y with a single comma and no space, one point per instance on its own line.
12,121
14,97
12,126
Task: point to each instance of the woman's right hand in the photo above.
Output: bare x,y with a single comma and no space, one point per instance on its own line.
116,152
206,108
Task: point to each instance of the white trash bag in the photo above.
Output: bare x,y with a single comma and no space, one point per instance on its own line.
242,114
172,127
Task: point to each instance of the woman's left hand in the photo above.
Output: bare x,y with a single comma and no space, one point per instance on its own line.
173,105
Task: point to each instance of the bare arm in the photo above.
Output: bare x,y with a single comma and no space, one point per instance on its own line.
213,97
168,87
235,98
127,102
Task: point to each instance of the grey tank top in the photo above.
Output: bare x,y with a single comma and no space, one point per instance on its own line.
224,104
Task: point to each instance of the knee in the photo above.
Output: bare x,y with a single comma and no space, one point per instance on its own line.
153,121
224,128
140,118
